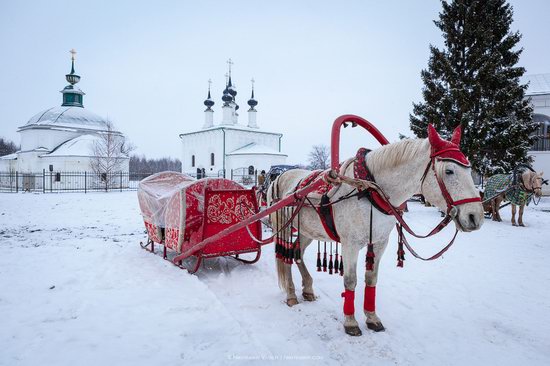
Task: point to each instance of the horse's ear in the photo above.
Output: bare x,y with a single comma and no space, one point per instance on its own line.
541,173
457,134
433,136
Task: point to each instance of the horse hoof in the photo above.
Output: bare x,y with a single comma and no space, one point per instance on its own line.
522,225
514,224
353,331
308,297
291,302
377,327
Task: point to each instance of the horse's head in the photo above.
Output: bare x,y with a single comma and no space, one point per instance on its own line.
533,181
447,182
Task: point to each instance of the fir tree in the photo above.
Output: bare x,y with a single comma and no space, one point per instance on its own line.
475,81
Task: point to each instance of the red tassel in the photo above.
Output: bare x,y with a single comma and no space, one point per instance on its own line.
341,266
370,257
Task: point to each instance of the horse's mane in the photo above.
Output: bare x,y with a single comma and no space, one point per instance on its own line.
392,155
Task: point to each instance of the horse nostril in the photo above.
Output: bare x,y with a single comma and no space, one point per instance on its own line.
472,218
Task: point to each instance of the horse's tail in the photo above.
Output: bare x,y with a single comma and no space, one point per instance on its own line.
273,195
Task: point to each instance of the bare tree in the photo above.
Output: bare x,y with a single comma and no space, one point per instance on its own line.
109,151
319,157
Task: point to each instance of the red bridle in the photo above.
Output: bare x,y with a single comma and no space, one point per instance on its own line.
446,195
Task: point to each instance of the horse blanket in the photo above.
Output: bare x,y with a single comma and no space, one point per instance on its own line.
500,183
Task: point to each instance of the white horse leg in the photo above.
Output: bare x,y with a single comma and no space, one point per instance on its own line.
307,280
371,278
349,256
284,272
520,215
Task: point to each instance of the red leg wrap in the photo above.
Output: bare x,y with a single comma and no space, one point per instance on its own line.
349,300
370,298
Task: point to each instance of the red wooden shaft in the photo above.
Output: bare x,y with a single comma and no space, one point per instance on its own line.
335,136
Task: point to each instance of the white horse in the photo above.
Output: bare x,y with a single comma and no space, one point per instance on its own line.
398,169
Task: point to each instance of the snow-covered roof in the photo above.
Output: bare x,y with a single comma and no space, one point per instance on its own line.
78,146
231,127
9,157
538,84
71,117
255,149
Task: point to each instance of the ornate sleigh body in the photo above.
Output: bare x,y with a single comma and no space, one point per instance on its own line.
180,212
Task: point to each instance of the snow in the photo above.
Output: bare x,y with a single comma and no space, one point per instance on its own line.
71,117
78,146
237,127
76,288
538,84
9,157
255,149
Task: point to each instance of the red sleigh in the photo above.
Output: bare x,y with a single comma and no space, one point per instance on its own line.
180,212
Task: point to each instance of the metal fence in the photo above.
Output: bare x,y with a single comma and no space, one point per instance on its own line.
56,182
50,182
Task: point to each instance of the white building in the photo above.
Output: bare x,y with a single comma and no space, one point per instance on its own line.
539,92
60,139
220,149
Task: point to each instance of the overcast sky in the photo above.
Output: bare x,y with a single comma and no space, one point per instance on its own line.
145,65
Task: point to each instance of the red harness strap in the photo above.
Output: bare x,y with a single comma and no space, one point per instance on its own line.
361,171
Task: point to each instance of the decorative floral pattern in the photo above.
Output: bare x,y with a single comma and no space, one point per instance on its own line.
172,236
222,208
153,232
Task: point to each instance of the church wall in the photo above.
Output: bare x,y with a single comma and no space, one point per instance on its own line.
541,103
541,159
202,145
8,165
237,139
48,138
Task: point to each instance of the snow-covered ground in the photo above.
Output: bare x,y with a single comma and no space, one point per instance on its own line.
76,289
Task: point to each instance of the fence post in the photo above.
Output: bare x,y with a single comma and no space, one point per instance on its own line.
85,182
16,181
43,180
51,182
121,180
231,174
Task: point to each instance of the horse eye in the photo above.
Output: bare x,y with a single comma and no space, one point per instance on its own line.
449,171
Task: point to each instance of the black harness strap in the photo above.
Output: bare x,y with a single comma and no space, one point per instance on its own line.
325,211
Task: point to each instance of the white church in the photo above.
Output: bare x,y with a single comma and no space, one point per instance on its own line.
60,139
218,149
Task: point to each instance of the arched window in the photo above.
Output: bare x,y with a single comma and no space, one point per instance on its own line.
192,161
212,159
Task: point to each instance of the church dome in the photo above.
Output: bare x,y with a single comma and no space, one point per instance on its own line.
69,117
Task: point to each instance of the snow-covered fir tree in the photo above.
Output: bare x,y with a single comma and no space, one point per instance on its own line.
474,81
